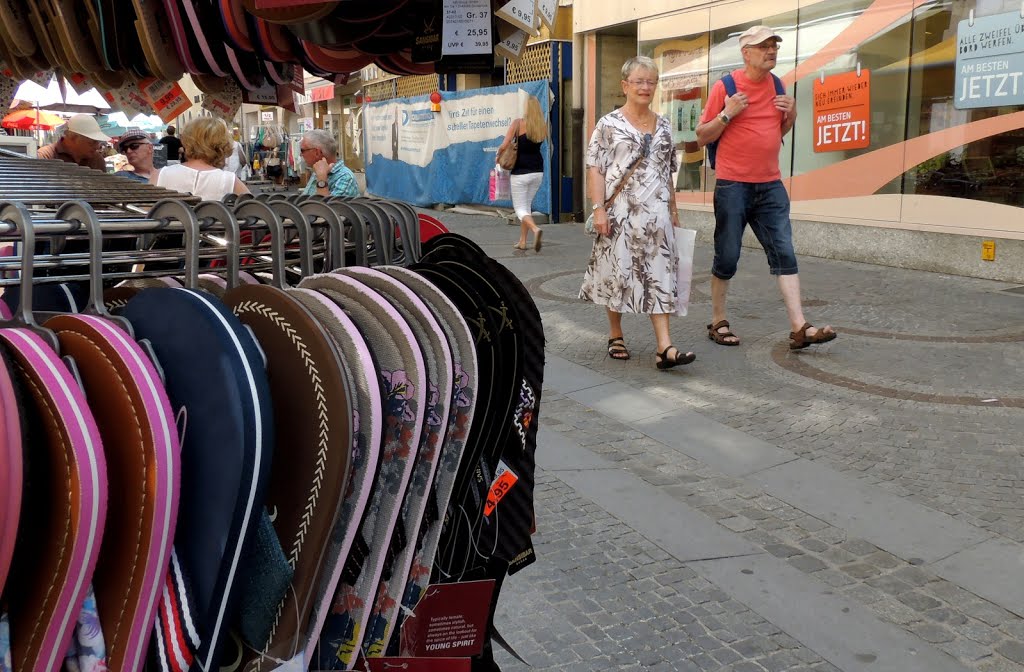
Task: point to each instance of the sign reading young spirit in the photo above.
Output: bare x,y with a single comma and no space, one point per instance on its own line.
842,111
989,61
450,621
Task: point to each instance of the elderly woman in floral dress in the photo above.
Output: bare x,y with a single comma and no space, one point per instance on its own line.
633,263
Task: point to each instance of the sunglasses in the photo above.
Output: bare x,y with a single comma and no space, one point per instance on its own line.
134,146
645,148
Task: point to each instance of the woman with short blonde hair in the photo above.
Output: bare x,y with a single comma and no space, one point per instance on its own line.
207,145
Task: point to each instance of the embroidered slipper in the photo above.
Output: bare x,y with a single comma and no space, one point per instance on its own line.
617,349
464,395
437,357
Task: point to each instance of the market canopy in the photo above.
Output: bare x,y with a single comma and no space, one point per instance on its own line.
236,50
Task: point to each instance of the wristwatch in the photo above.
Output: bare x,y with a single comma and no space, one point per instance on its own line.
321,184
594,207
724,118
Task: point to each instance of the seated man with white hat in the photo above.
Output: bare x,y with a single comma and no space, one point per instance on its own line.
82,143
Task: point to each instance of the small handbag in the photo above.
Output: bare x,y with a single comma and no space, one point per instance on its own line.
507,158
589,225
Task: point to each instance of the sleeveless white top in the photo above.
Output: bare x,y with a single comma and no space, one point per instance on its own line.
209,185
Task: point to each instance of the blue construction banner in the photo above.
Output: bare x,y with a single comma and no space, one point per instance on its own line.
423,157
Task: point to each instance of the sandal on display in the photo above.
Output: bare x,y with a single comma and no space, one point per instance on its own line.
721,337
800,339
678,358
617,349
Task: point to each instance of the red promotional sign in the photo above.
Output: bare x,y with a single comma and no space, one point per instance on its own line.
449,622
842,112
167,98
321,93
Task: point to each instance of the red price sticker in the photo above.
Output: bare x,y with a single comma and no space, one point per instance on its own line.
504,479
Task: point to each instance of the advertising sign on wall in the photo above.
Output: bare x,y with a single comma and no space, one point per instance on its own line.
424,157
842,111
990,61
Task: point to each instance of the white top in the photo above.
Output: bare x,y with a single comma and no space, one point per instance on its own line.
234,163
209,185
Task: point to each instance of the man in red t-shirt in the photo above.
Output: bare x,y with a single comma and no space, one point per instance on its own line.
749,127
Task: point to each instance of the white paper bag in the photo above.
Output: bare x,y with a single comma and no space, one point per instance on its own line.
685,239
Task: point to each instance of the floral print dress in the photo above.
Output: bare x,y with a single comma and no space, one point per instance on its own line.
633,269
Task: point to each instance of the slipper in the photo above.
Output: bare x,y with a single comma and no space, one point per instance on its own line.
719,337
663,362
617,349
799,339
537,240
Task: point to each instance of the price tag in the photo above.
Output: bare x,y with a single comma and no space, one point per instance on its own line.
467,27
167,98
546,11
521,14
504,479
512,47
225,103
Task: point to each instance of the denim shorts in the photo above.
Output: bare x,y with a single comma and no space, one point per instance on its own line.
763,205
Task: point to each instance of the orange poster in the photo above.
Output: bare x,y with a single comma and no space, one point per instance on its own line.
842,112
168,99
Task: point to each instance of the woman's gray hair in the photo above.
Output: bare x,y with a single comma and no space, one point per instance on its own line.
323,140
638,63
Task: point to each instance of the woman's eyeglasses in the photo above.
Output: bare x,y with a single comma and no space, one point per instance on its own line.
643,82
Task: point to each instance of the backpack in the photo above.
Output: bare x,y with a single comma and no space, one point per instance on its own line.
730,90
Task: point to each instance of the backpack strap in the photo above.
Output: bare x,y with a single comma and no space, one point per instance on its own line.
730,84
780,88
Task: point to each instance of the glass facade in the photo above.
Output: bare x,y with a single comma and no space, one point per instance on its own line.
884,114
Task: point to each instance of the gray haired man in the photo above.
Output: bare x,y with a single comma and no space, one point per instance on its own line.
331,177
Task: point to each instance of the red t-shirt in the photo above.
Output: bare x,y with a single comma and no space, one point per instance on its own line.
748,149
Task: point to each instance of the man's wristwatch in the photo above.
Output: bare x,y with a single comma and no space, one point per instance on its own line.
596,206
321,184
724,118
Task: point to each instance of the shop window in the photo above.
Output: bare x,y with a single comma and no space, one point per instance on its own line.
981,161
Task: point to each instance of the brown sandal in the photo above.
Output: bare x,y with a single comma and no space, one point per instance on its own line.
718,337
799,339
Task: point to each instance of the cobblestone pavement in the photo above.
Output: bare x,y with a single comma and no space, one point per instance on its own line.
921,396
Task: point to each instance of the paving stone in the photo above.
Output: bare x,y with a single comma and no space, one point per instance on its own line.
913,576
807,563
1012,650
738,523
966,650
860,570
814,545
918,601
931,632
985,612
889,584
782,550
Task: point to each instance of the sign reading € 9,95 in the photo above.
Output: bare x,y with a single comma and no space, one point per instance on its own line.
990,61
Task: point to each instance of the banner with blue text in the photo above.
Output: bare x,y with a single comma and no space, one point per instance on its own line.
423,157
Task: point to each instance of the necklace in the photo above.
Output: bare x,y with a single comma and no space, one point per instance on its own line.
642,125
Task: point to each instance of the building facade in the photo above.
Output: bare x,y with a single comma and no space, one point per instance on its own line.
908,148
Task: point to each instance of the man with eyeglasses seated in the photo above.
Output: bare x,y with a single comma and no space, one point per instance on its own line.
81,143
138,149
749,126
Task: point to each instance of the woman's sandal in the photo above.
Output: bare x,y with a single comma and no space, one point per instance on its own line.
663,362
617,349
519,247
719,337
799,339
537,242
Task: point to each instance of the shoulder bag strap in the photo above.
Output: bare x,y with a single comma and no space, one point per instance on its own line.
622,182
